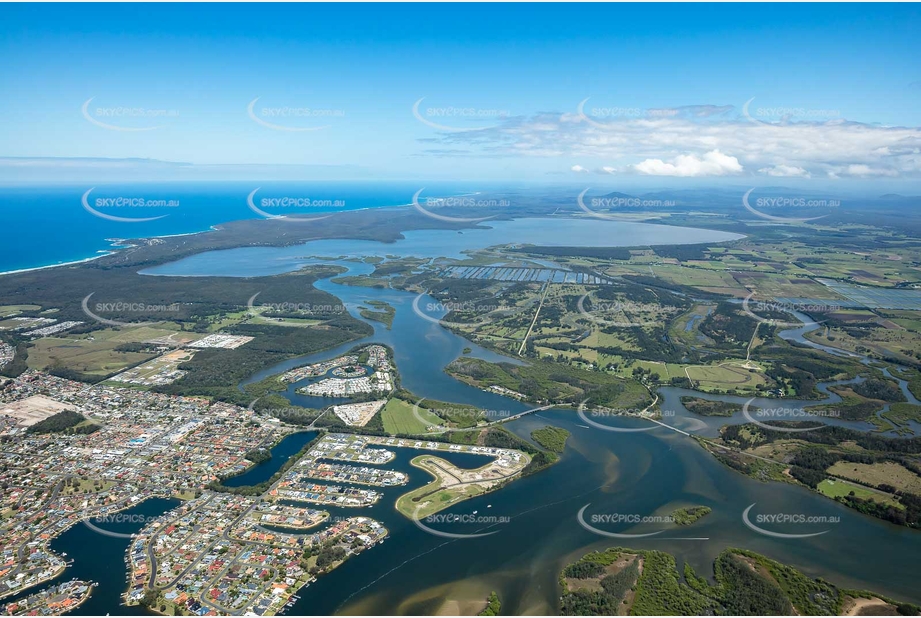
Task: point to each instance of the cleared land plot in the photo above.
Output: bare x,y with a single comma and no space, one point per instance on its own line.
33,409
695,277
724,377
887,472
398,418
452,484
835,488
358,414
259,318
25,323
221,341
174,339
8,310
87,356
161,370
94,353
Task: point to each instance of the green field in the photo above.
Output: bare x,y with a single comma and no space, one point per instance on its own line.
398,418
8,310
725,377
93,353
836,488
879,473
255,317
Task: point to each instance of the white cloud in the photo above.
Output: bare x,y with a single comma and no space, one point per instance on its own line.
785,171
865,171
713,163
682,145
579,169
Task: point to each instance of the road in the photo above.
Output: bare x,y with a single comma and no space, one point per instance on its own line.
534,321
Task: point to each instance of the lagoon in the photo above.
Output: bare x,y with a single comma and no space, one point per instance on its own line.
542,231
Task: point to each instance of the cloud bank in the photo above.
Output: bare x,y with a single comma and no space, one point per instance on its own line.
700,141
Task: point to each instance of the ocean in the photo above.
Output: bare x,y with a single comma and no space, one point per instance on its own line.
49,225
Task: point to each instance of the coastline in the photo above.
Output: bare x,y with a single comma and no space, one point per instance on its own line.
126,243
71,263
117,245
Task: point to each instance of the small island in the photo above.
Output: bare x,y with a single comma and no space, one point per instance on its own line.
688,515
551,438
382,312
705,407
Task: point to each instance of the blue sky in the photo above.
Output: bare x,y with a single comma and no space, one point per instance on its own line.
836,87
